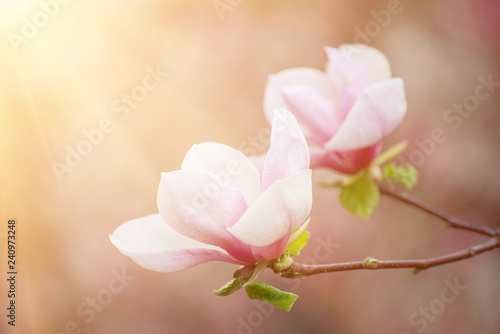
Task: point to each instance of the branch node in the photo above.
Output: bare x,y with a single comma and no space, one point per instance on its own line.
282,264
370,263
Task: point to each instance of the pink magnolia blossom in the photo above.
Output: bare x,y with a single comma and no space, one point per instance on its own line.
346,111
218,207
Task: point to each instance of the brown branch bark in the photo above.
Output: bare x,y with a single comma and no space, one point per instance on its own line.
452,221
297,270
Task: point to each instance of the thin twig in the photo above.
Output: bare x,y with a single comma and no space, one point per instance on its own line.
300,270
452,221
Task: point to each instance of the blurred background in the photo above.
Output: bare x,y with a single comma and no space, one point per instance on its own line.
97,98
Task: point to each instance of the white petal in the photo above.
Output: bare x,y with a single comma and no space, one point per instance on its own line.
258,161
319,115
197,204
310,77
280,209
372,59
288,152
153,245
229,164
376,113
344,70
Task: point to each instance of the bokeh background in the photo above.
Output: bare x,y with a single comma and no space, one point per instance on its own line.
70,74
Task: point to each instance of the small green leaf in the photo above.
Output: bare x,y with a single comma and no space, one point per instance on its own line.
407,175
361,197
229,287
297,245
267,293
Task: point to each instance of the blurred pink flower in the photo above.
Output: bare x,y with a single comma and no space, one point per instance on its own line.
347,111
216,208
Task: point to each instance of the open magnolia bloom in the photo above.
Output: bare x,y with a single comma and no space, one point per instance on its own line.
218,207
346,111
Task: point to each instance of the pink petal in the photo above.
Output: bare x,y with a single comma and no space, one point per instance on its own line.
344,70
347,162
280,209
199,205
376,113
288,153
350,76
229,164
310,77
155,246
355,160
317,113
372,60
272,251
328,159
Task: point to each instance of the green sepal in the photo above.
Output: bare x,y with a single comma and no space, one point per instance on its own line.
361,197
229,287
407,175
271,295
297,245
390,153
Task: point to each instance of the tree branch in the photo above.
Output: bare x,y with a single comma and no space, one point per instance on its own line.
452,221
297,270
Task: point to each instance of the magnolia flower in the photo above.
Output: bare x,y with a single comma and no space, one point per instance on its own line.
347,111
219,208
